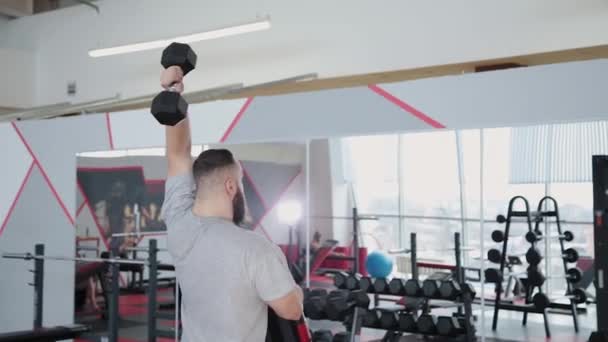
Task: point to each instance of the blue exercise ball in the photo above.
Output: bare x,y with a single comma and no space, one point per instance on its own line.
379,265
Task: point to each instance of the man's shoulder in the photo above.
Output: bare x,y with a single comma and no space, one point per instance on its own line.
251,238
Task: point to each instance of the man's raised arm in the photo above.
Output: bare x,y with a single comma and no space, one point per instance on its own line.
178,141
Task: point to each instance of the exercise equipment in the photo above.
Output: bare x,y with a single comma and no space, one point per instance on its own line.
534,258
542,301
58,333
413,288
322,336
533,237
366,284
378,264
494,255
340,279
352,281
427,324
494,275
397,287
450,289
389,320
407,322
600,233
340,302
169,107
450,326
430,288
498,236
381,286
371,318
315,304
342,336
537,278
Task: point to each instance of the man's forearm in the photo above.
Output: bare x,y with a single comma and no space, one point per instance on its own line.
179,146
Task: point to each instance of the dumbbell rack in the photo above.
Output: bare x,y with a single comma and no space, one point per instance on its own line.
555,214
498,304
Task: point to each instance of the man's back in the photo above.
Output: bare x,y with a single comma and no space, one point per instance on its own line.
226,273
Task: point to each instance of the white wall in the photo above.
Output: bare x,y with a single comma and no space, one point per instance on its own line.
18,70
332,38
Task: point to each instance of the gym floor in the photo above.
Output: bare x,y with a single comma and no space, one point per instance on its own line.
133,324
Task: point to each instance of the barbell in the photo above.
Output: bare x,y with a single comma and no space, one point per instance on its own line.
537,278
533,237
541,301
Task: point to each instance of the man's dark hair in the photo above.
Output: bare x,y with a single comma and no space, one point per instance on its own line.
211,160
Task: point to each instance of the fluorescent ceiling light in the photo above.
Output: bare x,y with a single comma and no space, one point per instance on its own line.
258,25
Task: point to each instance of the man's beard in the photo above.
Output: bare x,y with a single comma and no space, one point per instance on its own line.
238,208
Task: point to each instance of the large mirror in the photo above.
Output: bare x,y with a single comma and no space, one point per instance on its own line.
355,204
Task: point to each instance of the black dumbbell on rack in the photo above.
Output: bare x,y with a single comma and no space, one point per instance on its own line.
537,278
427,324
341,302
533,237
169,107
381,286
407,322
451,326
389,320
366,284
340,279
413,288
322,336
541,301
430,288
352,281
493,275
397,286
314,304
451,290
533,256
498,236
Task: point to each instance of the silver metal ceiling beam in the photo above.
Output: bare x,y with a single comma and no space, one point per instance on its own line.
114,104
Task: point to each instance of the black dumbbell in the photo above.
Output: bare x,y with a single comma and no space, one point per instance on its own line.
413,288
371,318
169,107
498,236
467,289
533,237
322,336
381,286
427,324
366,284
537,278
494,255
430,288
407,322
389,320
314,306
449,289
342,336
451,326
541,301
340,279
533,256
352,281
397,286
340,304
493,275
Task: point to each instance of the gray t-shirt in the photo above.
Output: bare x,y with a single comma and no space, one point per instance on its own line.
226,273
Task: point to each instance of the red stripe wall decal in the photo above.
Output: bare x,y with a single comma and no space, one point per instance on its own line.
44,174
236,119
21,187
109,127
400,103
269,209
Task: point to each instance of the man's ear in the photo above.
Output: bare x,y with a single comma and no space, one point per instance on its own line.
231,186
